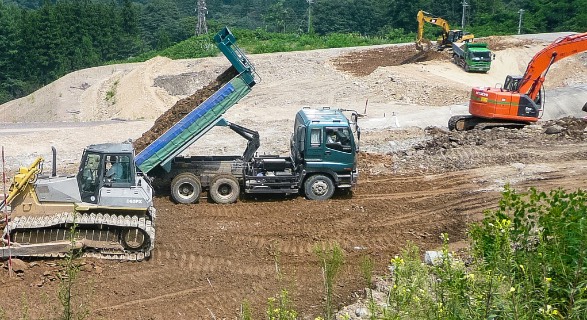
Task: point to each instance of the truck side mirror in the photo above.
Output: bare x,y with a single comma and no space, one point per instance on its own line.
301,135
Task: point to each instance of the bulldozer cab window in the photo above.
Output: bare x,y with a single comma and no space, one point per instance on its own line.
88,177
338,139
117,169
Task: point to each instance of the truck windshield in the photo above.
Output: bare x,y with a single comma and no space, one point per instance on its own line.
338,139
482,56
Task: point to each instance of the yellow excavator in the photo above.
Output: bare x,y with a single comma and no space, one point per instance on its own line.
445,40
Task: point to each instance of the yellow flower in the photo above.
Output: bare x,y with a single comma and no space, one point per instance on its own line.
548,279
555,312
512,289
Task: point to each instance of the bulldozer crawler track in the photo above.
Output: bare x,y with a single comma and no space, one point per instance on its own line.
107,245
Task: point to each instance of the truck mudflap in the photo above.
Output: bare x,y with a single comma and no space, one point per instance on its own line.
103,236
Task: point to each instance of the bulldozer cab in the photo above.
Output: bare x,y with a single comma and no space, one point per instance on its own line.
104,166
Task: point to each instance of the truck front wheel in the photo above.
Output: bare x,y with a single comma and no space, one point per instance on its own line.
186,188
224,189
319,187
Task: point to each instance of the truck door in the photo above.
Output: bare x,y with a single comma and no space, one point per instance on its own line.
338,151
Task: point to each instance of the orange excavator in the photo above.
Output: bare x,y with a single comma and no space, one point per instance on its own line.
521,99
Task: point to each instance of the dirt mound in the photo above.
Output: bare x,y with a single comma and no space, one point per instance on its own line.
363,63
181,109
496,43
569,128
439,150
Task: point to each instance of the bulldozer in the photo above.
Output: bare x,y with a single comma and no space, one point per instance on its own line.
101,214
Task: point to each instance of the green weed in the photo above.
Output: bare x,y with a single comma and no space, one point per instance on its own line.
331,260
68,278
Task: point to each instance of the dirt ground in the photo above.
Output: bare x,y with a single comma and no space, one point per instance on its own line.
416,181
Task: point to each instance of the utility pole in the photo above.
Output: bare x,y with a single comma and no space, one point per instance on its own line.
310,2
465,5
521,12
202,10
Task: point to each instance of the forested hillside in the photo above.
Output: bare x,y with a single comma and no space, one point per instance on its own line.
41,40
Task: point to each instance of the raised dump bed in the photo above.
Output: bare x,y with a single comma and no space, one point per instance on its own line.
205,116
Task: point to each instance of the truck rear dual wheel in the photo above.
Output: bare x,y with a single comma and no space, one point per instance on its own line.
224,189
319,187
186,188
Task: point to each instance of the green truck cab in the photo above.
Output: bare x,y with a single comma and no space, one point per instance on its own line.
472,56
324,147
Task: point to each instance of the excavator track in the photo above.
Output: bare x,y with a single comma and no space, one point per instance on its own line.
99,235
469,122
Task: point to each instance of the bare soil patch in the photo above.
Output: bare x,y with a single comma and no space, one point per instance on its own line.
363,63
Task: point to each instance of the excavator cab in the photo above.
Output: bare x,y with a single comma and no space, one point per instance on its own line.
455,35
512,83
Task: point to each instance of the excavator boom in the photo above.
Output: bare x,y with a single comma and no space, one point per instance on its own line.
448,36
563,47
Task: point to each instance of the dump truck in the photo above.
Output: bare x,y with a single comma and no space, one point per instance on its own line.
315,167
472,56
322,159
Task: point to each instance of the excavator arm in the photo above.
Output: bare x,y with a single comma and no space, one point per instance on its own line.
538,67
422,17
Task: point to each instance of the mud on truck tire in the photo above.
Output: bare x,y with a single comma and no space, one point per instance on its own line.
186,188
319,187
224,189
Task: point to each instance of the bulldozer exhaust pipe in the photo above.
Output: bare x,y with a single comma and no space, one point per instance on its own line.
54,162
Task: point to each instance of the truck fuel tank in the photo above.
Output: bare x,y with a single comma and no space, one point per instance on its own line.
273,164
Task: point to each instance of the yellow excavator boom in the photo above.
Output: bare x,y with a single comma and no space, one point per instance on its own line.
448,36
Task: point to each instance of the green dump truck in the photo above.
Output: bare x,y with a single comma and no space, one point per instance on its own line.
323,149
472,56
